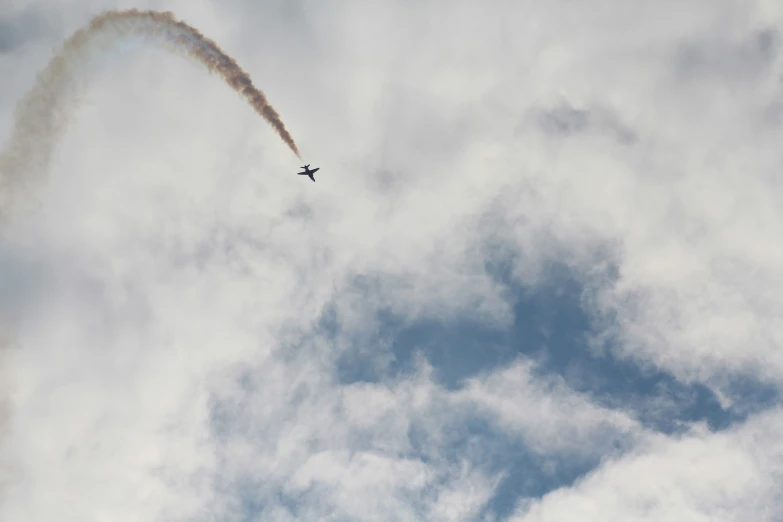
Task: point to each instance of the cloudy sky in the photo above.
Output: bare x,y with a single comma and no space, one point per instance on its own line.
538,278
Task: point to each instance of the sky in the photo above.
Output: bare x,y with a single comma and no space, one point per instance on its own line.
537,279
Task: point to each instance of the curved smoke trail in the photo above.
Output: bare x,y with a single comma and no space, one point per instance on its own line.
41,116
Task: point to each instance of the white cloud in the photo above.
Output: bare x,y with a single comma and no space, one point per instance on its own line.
547,414
702,476
171,364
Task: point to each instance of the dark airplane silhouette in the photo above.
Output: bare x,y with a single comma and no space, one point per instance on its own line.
308,172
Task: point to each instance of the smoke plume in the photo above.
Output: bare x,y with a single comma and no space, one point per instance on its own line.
41,116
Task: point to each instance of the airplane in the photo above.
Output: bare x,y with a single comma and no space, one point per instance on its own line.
308,172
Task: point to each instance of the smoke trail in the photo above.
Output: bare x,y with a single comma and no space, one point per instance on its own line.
41,116
208,53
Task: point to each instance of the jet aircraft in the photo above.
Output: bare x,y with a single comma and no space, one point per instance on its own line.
308,172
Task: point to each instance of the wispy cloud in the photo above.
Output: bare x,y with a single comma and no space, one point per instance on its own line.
537,279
